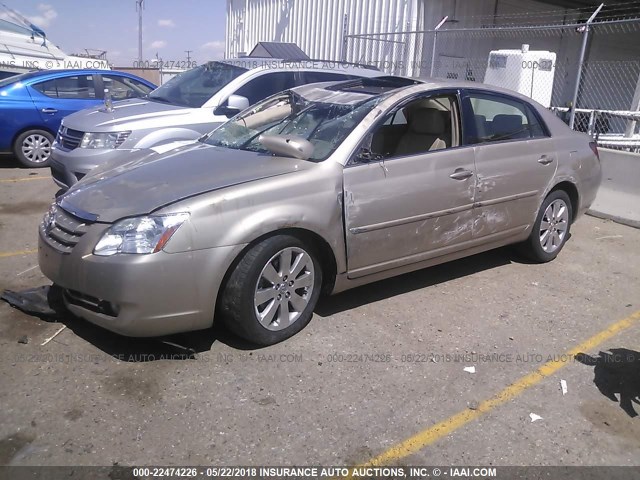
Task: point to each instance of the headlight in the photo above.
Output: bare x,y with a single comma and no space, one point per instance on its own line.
139,235
48,219
103,140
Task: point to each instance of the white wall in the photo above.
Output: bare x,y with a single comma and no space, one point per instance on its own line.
317,26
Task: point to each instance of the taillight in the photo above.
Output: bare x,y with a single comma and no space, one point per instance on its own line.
594,149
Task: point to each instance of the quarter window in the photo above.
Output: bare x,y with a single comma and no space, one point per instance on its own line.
498,119
78,87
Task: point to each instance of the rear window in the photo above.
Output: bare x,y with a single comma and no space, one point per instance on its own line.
17,78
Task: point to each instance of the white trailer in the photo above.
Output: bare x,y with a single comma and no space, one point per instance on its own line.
529,72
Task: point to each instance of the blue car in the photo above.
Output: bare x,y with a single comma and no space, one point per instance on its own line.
33,104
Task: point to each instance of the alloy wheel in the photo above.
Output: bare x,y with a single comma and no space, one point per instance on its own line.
554,226
284,288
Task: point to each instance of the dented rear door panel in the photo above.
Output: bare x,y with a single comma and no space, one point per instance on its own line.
512,177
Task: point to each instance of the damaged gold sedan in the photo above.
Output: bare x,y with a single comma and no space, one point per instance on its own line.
323,187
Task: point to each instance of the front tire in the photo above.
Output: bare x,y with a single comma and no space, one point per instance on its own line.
33,148
551,228
272,291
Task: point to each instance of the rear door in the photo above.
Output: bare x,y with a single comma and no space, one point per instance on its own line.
55,99
413,199
515,162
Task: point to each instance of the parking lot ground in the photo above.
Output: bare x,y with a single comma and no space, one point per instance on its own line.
369,378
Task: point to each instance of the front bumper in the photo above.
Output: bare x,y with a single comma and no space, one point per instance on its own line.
137,295
69,166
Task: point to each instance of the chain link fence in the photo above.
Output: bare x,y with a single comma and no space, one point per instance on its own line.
543,55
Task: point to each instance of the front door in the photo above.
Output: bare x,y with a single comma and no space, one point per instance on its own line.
409,193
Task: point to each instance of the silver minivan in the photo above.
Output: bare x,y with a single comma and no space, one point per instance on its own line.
183,109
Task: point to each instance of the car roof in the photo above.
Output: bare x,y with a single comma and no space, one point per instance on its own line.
381,85
50,74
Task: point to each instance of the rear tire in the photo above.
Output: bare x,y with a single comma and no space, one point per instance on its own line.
551,228
33,148
272,291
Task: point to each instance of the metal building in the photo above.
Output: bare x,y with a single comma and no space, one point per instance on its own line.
597,66
318,27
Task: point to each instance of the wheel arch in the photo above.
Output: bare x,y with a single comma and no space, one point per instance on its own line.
32,127
322,249
572,191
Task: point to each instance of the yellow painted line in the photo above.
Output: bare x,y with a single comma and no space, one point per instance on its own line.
432,434
16,254
25,179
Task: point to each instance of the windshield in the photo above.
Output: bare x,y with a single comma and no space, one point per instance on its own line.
194,87
324,124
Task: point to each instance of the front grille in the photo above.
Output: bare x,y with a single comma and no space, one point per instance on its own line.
69,139
63,230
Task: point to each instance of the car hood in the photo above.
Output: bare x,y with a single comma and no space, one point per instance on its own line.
151,180
125,115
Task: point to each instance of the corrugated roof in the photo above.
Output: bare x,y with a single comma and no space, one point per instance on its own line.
282,50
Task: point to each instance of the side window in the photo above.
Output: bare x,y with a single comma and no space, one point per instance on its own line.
423,125
78,87
47,88
499,118
122,88
266,85
317,77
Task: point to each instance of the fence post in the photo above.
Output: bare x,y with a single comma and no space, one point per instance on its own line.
572,117
635,106
345,36
435,40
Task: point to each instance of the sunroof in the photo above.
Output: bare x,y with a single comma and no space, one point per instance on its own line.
374,85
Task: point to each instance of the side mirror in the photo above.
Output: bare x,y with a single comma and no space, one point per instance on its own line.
235,104
287,146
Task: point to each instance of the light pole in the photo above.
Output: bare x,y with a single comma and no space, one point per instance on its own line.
139,7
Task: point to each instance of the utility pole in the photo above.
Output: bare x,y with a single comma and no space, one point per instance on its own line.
139,7
188,52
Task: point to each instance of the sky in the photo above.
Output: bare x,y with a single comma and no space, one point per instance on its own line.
169,27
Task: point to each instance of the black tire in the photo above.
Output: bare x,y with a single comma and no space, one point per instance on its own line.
237,306
33,148
533,247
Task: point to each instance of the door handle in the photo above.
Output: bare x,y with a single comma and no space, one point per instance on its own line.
461,174
545,160
49,110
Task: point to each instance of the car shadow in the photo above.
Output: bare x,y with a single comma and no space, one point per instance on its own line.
617,372
8,161
187,346
46,303
417,280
